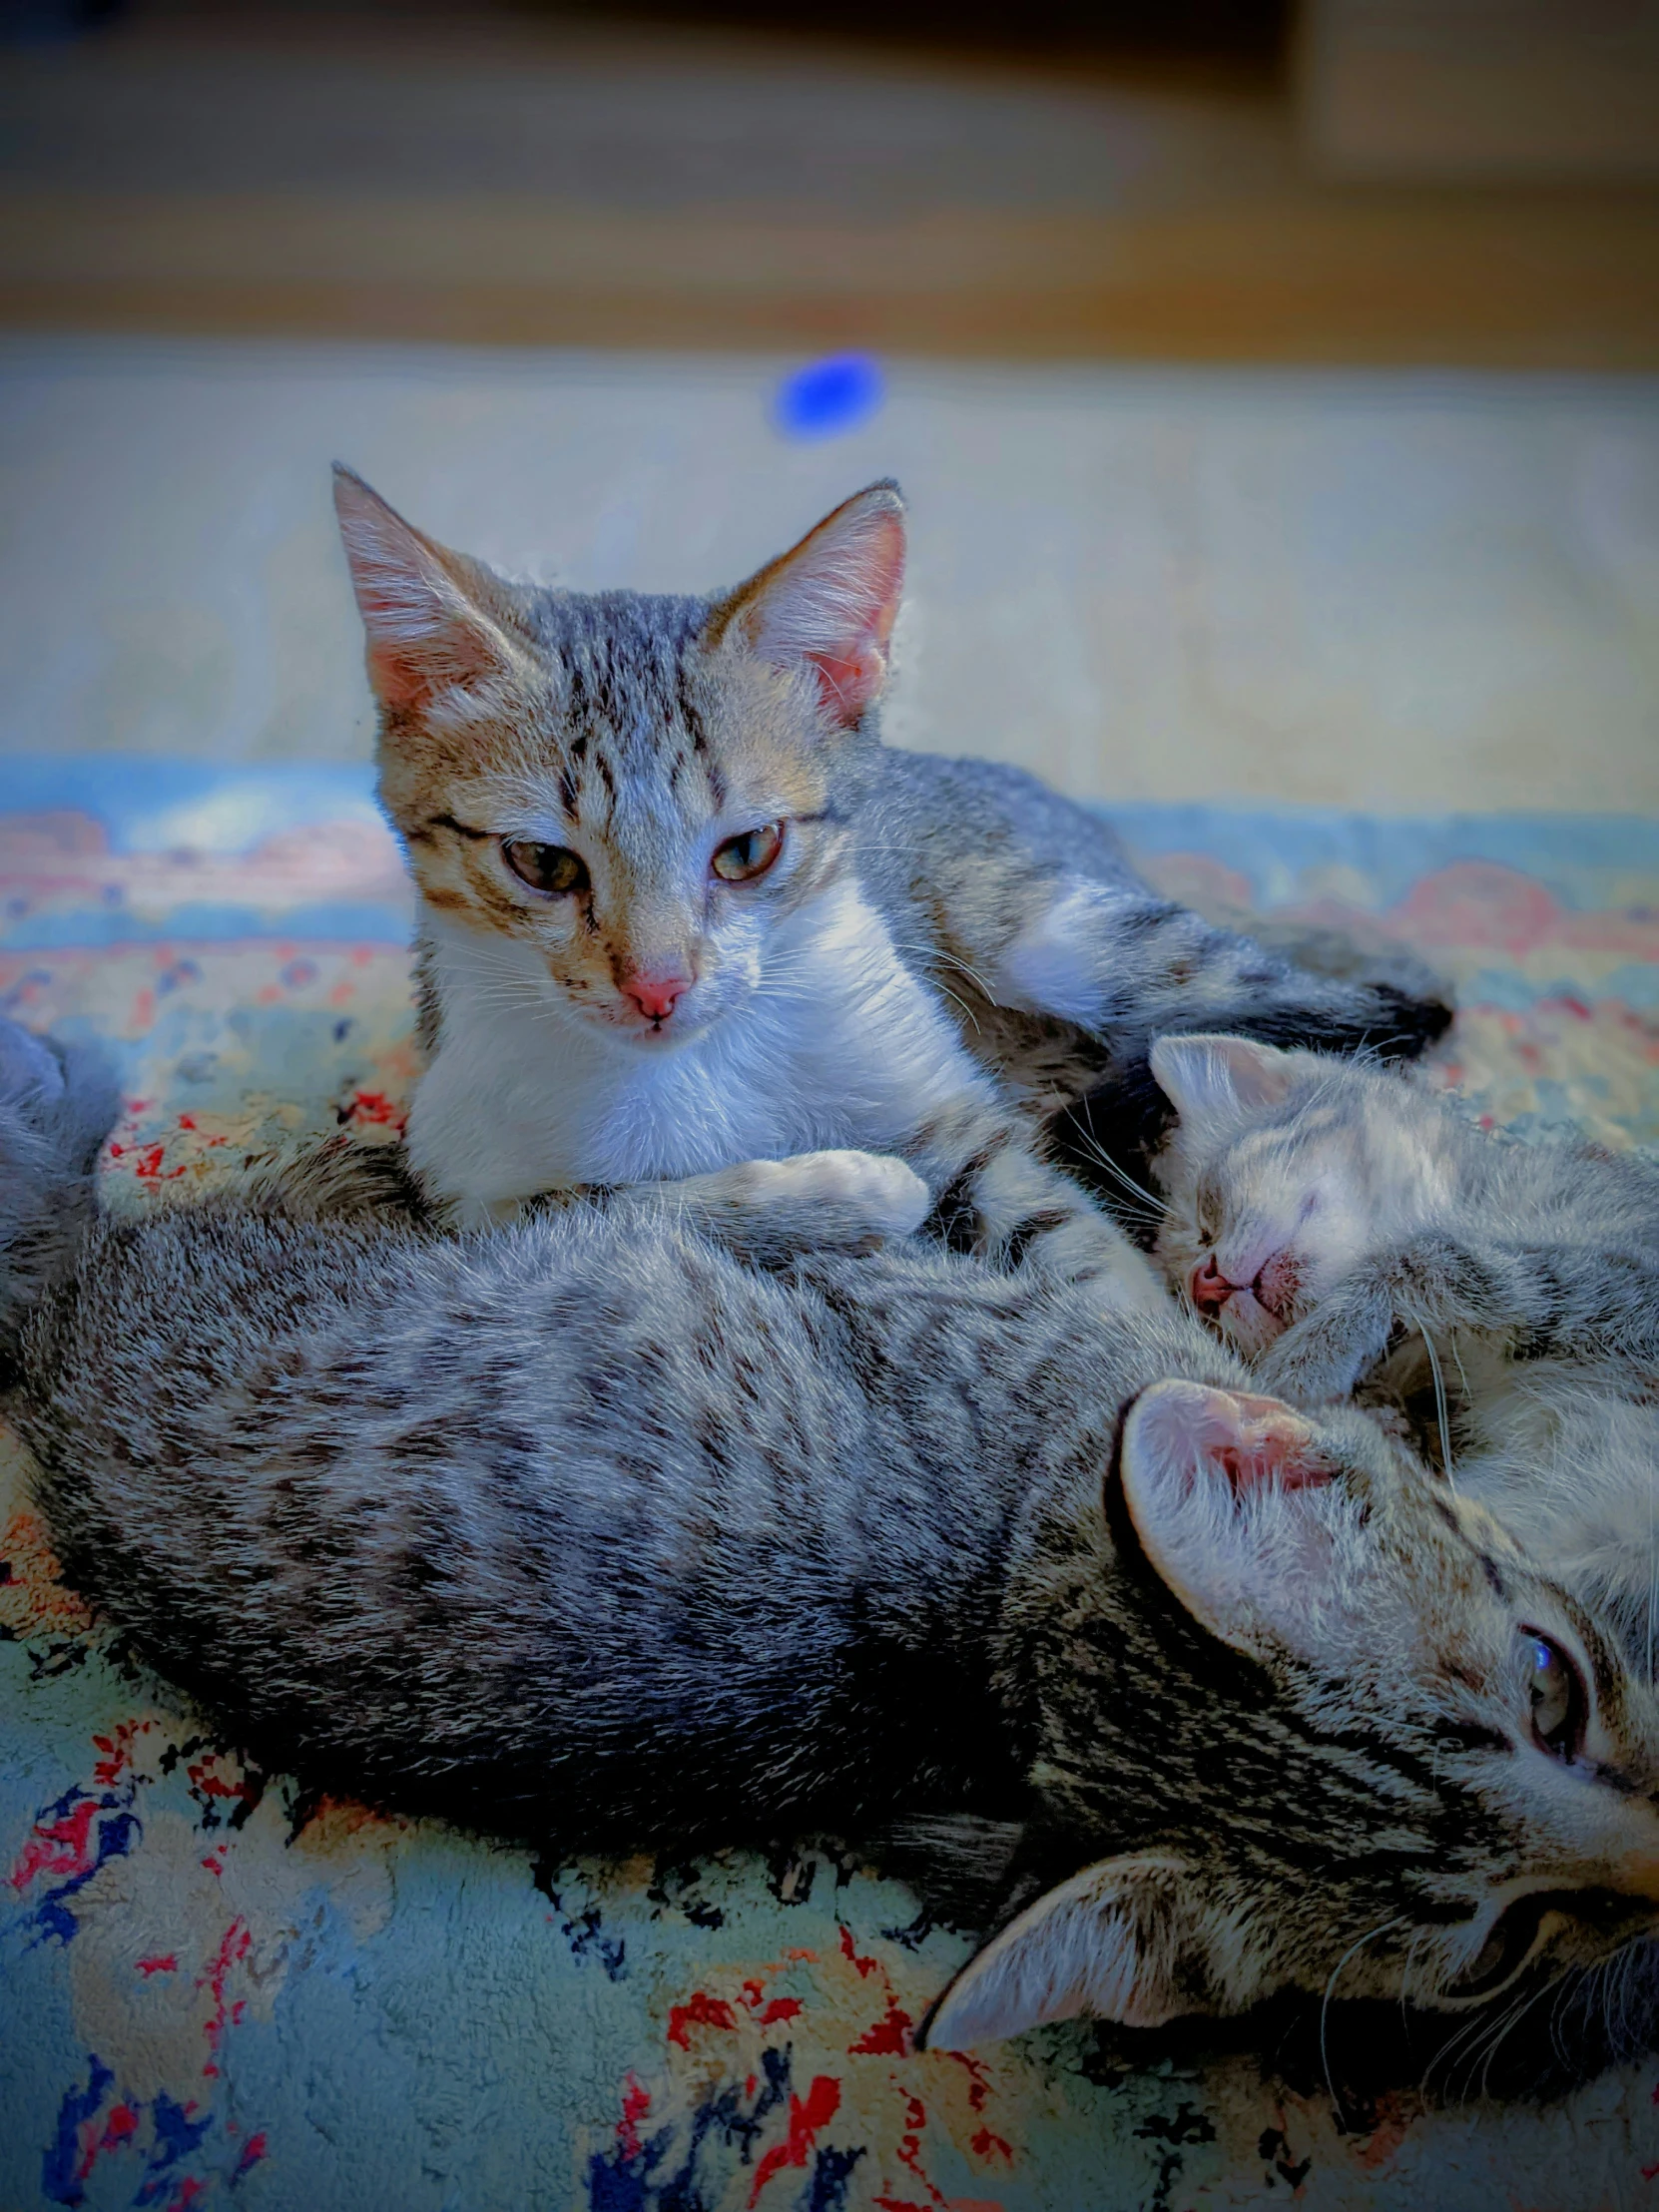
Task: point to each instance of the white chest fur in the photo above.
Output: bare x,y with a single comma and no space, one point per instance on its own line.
523,1095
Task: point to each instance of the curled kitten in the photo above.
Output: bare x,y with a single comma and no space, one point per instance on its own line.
1342,1226
582,1530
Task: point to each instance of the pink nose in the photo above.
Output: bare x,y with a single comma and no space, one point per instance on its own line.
1209,1286
657,994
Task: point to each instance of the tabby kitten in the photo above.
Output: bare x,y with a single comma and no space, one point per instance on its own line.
686,924
1341,1225
596,1535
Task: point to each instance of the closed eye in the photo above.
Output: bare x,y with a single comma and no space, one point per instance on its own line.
1207,1209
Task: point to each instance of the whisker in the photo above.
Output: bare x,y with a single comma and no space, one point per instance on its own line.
1441,1411
1443,2055
1153,1209
967,1011
1400,1920
1508,2022
926,951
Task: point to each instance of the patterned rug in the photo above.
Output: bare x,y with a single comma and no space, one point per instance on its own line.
213,1992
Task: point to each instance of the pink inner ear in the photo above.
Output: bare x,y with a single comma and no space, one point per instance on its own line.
406,672
422,631
851,670
1270,1444
829,606
847,685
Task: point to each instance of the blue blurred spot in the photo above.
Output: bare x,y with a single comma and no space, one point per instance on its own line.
828,397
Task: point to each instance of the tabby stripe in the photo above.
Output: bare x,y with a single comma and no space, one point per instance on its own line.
1025,1232
956,1216
689,713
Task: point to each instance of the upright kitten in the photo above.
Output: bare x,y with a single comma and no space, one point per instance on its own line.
686,923
596,1535
1323,1215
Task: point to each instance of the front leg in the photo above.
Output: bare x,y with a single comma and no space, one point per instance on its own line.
1564,1299
1014,1209
1322,1358
1438,1283
768,1211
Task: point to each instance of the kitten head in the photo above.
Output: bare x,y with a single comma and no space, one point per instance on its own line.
1284,1169
620,801
1344,1738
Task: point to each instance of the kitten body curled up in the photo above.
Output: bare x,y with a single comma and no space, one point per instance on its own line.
1343,1224
585,1531
687,929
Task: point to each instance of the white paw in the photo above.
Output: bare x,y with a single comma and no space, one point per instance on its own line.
858,1195
470,1214
1133,1285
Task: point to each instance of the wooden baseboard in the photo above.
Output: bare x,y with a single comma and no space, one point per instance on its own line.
1537,280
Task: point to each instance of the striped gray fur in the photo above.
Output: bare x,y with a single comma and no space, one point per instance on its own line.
1504,1294
582,1530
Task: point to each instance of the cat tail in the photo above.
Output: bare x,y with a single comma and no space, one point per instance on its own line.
57,1105
1420,997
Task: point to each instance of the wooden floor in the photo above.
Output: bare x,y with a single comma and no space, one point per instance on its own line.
1403,593
498,179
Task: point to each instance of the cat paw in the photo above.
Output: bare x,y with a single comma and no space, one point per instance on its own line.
850,1201
1130,1284
1309,1366
478,1214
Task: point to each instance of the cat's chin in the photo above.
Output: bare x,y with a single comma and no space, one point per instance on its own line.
655,1037
1248,1324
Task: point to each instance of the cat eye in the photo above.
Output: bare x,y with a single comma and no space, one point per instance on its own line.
743,858
1207,1210
548,869
1560,1704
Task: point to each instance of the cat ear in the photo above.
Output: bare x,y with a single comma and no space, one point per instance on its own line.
829,606
1229,1496
1117,1940
426,624
1210,1075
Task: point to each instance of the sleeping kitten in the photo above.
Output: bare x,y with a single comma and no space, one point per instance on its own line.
686,924
596,1535
1321,1212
